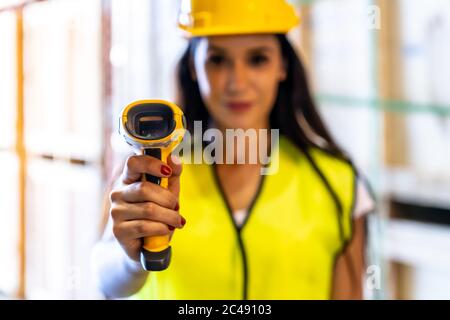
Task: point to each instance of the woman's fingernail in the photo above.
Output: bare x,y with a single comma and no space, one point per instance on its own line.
183,221
171,228
165,170
177,207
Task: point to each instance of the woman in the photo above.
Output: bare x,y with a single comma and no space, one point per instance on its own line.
297,233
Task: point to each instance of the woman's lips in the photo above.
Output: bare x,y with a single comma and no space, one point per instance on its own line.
239,106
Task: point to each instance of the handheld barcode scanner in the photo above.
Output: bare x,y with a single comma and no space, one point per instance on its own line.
153,128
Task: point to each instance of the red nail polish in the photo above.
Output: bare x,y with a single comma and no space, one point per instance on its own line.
177,207
165,170
183,221
171,228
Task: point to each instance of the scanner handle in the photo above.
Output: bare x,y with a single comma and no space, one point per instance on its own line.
156,251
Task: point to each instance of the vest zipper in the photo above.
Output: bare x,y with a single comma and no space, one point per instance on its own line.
237,228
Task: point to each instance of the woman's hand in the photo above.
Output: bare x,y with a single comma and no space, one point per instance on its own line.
144,209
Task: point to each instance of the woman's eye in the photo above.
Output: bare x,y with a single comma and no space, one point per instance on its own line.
216,59
258,60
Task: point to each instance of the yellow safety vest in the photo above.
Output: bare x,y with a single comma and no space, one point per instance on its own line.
286,248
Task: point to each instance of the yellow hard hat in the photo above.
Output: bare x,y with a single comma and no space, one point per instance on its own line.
225,17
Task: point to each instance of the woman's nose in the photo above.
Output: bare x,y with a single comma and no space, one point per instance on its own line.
238,77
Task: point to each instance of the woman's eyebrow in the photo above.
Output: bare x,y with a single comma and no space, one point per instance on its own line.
216,48
261,49
213,47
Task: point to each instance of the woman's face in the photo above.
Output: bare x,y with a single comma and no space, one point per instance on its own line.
238,77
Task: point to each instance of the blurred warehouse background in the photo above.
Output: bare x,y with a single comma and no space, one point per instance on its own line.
380,70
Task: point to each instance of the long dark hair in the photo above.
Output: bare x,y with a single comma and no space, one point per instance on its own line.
294,114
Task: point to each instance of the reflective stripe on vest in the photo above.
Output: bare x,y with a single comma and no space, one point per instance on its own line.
286,248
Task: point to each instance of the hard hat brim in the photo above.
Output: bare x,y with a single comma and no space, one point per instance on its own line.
223,31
